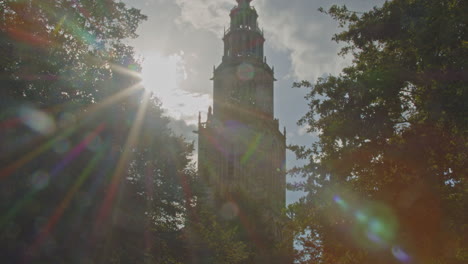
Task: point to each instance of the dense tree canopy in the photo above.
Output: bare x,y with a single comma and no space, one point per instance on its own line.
89,171
387,178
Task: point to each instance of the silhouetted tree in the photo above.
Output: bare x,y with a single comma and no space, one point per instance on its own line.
212,237
386,180
89,171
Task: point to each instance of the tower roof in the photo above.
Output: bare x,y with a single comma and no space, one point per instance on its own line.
244,3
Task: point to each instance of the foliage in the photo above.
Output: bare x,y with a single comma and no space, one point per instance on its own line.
393,133
234,228
213,239
89,171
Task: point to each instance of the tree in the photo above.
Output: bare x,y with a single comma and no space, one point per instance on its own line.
386,180
231,229
213,239
89,171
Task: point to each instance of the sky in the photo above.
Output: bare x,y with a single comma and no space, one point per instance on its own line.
181,42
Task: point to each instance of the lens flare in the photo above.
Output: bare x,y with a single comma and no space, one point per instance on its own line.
251,150
43,236
376,226
340,202
10,123
62,146
59,25
378,232
373,225
6,171
66,119
37,120
77,150
399,254
374,237
245,72
40,180
95,144
133,67
361,217
121,166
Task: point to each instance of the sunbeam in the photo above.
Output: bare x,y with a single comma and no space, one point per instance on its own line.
123,161
252,148
93,109
57,214
61,165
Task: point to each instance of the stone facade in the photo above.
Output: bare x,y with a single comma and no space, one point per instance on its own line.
240,147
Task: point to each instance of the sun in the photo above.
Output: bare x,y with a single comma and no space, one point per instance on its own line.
159,74
163,75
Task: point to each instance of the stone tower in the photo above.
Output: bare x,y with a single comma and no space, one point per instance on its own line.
240,147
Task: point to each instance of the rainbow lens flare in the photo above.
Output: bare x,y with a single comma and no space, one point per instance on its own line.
373,225
399,254
37,120
343,205
245,72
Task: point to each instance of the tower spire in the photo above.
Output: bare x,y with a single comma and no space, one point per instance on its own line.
243,109
244,38
244,3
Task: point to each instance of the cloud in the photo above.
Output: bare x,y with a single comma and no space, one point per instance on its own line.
303,130
210,15
181,128
301,30
295,27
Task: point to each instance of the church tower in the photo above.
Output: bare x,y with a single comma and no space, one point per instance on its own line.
240,148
